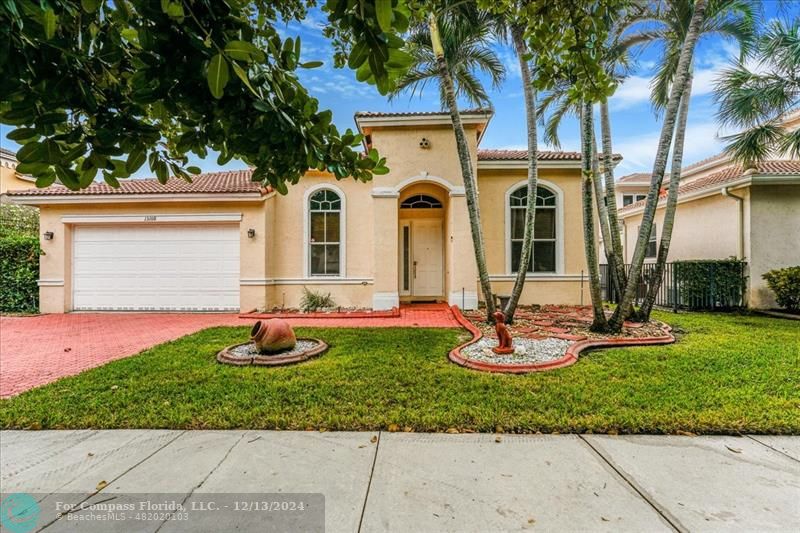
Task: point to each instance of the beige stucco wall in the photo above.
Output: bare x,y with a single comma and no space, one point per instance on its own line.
287,273
774,236
10,180
55,265
438,167
704,229
563,287
405,158
709,228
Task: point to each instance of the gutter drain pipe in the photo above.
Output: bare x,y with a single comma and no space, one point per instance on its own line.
740,245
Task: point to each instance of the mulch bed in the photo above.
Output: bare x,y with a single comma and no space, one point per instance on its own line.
562,322
535,324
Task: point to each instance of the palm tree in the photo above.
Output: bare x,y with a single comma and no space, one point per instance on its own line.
589,180
730,19
449,49
756,101
682,72
521,49
563,103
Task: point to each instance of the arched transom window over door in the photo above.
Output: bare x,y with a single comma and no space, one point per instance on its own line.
544,234
325,229
421,201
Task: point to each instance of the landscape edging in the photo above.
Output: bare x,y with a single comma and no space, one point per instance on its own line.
570,357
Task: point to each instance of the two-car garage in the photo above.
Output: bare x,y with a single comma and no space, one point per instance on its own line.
147,246
164,267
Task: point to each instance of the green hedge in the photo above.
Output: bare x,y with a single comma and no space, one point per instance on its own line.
18,220
785,283
19,270
711,284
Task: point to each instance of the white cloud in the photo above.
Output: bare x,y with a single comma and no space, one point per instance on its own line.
635,90
510,62
639,151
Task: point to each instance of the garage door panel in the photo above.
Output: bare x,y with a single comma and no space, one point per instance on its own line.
156,267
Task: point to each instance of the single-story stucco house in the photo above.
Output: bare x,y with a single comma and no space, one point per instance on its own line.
224,243
724,211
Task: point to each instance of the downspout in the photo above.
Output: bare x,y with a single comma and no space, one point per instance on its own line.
624,242
740,245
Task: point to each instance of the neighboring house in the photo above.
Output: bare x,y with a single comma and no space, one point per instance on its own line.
632,188
725,212
10,180
225,243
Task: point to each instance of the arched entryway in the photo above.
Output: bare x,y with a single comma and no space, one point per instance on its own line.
421,247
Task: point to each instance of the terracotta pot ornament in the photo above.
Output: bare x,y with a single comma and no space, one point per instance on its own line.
505,344
273,335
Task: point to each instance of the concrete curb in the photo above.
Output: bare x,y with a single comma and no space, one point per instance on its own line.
570,357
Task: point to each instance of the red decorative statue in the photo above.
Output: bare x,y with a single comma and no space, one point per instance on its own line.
504,343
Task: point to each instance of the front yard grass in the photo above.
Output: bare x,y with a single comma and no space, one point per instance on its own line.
727,374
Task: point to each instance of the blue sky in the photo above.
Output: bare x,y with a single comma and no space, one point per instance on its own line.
635,127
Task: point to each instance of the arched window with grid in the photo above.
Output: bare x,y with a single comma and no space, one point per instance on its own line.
325,230
544,234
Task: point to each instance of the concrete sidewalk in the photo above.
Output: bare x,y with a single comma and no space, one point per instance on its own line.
435,482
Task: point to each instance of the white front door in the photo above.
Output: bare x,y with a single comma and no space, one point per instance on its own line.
159,267
427,258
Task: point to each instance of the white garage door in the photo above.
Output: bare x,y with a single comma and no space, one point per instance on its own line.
163,267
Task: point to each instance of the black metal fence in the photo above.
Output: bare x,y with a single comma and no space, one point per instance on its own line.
695,285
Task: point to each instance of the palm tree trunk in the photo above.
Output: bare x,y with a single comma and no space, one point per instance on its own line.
533,173
616,261
659,166
672,203
465,158
587,141
602,210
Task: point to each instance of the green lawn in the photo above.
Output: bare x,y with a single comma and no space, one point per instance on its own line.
727,374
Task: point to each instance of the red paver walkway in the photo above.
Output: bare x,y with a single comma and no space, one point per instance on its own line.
40,349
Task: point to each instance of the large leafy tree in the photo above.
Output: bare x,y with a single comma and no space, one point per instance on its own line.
448,48
668,24
754,99
101,87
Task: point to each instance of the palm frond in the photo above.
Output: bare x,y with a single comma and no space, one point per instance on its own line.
466,34
754,144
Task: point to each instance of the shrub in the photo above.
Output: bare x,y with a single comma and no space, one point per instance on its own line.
313,301
18,220
785,283
711,284
19,270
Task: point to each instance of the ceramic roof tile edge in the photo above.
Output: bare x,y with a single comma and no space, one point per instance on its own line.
236,181
390,114
773,167
221,182
493,154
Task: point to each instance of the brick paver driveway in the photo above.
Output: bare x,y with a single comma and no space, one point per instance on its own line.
40,349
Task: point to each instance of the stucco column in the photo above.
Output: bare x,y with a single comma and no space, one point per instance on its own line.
385,227
462,278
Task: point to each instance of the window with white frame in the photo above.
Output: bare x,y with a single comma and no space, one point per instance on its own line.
544,233
652,244
628,199
325,225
